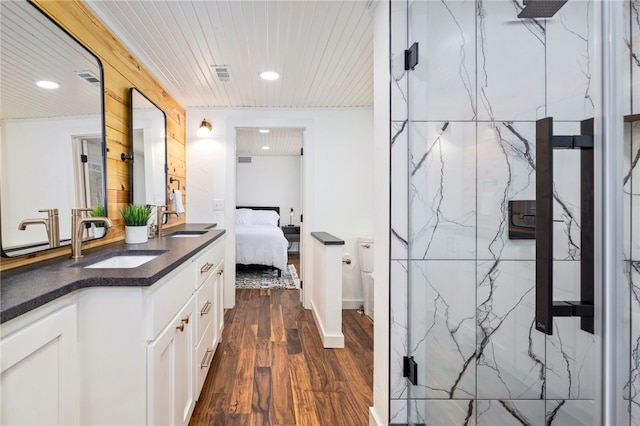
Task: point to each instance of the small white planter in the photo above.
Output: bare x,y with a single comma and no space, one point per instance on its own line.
99,231
135,234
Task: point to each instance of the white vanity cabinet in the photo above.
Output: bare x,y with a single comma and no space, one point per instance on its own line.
141,348
38,372
209,269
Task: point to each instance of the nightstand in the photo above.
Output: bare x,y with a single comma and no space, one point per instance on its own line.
292,234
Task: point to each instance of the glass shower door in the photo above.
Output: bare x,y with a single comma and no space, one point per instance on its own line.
462,150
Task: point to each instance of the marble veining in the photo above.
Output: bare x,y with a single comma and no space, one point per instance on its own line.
510,353
442,333
399,191
398,329
465,75
442,198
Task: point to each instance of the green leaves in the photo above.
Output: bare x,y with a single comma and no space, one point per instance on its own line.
98,211
136,214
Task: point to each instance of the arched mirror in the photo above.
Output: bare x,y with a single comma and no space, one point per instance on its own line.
52,149
148,151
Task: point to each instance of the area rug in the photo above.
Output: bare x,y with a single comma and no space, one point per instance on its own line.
268,279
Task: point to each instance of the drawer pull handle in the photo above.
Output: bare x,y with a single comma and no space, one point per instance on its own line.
220,271
206,267
185,319
180,327
206,308
208,357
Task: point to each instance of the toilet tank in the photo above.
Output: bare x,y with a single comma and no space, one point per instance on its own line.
365,253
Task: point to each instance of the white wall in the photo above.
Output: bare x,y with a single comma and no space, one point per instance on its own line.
379,413
270,181
338,166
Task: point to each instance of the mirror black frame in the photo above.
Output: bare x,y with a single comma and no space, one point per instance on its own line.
131,156
103,137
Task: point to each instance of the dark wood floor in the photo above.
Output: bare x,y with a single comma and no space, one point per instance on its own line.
271,368
294,259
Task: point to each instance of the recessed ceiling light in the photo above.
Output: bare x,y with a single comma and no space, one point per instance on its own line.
269,75
266,147
264,130
46,84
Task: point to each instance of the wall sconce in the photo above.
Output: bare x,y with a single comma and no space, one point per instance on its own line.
291,217
205,129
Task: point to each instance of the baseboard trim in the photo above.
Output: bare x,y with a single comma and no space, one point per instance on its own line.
374,418
351,303
328,340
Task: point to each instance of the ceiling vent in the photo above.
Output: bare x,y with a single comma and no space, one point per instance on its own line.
88,76
222,71
244,159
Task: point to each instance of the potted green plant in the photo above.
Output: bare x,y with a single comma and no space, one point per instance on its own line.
135,218
98,227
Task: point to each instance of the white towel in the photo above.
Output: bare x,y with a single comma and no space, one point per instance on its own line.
176,197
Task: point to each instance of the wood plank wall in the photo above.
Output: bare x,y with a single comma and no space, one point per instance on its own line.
121,72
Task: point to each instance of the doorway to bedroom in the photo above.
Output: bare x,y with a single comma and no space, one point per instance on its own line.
269,194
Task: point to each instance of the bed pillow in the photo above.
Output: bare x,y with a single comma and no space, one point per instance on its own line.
243,216
264,217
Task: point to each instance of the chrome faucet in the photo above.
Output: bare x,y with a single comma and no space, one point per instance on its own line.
51,224
77,229
160,215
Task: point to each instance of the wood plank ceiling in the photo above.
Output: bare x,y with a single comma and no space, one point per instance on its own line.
322,49
33,48
251,142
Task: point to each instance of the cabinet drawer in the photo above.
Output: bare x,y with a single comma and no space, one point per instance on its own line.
204,359
166,300
206,263
205,308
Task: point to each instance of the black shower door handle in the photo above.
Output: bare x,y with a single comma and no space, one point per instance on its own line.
546,308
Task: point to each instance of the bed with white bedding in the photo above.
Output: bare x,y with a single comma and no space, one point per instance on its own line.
259,239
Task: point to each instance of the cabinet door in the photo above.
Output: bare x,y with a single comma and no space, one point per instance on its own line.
170,362
38,372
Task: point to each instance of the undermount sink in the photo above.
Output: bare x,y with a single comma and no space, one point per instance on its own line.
126,259
187,234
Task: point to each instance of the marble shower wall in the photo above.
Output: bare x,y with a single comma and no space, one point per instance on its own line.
632,204
632,254
463,145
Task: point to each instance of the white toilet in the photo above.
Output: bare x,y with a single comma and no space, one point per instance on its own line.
365,256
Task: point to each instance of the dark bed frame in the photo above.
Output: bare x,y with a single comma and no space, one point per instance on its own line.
242,267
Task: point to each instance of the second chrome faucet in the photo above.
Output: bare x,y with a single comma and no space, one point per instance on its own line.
161,213
77,229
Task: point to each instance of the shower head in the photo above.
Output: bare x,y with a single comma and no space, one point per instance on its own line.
540,8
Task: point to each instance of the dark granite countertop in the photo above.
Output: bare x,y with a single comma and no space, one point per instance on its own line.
327,239
29,287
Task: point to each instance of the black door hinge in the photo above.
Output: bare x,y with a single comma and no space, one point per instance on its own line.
84,158
301,151
411,57
410,370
